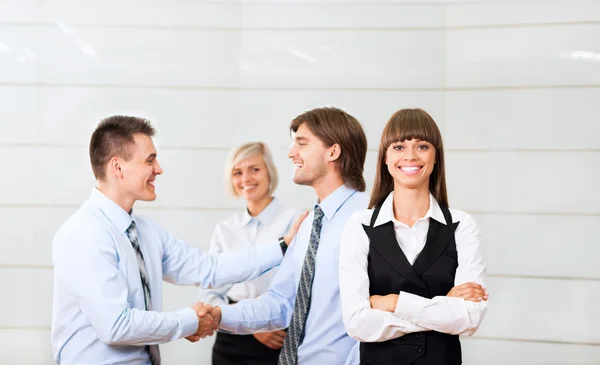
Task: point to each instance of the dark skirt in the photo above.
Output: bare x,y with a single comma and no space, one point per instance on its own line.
242,349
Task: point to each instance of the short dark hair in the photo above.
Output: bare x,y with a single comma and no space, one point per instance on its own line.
335,126
112,137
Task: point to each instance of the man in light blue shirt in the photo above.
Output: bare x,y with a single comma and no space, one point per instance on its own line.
109,263
329,152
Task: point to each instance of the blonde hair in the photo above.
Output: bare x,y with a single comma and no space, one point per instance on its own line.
243,152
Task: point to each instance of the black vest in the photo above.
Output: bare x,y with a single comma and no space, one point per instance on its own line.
431,275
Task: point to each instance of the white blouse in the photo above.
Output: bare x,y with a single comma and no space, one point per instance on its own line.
413,313
241,231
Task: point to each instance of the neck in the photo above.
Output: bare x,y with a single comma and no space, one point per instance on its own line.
410,204
257,206
116,196
327,185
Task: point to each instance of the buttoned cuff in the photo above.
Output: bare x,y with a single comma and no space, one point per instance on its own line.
188,321
229,321
409,306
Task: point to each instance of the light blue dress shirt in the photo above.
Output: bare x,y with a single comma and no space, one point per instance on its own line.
325,340
99,315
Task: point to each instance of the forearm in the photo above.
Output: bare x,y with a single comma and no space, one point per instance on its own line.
454,316
373,325
268,312
139,327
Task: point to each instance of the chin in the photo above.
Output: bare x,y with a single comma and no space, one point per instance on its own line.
148,197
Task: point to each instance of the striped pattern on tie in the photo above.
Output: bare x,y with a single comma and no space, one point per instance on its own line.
132,233
289,353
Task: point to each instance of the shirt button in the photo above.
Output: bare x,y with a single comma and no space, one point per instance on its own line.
418,349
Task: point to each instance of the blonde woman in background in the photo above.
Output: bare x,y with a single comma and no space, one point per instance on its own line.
250,174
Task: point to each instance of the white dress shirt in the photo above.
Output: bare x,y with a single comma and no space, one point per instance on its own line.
413,313
241,231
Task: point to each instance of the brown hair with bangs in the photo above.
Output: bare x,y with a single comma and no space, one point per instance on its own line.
404,125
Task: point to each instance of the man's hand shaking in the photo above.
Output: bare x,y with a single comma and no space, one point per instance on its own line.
207,322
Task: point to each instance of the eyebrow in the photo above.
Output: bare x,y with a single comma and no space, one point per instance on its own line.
152,155
251,166
301,138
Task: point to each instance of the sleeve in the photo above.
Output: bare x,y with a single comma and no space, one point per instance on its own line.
185,265
361,321
215,296
270,311
87,264
449,315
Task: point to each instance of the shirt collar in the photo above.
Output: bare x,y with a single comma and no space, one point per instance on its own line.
332,203
115,214
386,213
266,216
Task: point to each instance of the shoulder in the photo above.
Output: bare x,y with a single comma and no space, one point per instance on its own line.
361,217
358,201
234,220
462,218
85,228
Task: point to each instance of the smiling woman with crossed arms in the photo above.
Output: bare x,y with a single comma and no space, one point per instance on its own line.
411,269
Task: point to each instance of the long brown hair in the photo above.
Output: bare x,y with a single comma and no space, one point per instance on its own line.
407,124
332,125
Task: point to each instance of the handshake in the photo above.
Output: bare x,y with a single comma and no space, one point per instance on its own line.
209,318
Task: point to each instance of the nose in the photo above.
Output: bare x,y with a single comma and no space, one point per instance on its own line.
292,152
245,177
409,154
158,170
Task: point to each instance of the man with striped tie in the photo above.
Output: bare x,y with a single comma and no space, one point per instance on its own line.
328,153
109,263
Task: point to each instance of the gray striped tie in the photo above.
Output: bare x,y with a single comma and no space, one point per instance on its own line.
132,233
289,353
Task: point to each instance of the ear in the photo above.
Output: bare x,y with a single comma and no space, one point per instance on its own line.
114,167
334,153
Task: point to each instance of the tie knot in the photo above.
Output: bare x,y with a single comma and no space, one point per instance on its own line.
319,213
131,231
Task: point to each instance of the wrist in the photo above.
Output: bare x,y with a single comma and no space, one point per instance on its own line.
217,315
283,243
392,302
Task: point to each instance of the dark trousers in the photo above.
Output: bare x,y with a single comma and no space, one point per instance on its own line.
242,349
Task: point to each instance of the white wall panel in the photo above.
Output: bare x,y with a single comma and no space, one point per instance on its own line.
551,182
331,15
19,53
495,352
19,116
490,13
182,117
548,310
156,13
341,59
541,245
33,288
552,119
125,56
561,55
20,182
26,346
